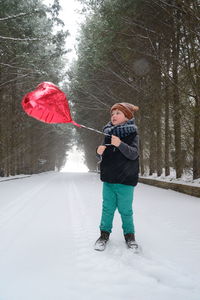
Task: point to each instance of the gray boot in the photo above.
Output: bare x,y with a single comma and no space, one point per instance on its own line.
102,240
130,241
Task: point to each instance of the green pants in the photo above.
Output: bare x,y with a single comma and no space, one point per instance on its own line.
117,196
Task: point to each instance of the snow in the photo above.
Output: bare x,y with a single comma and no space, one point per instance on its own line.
48,226
75,161
186,178
13,177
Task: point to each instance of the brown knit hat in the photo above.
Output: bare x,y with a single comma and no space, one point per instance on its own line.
128,109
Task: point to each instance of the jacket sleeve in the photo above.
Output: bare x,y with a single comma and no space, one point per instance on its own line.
130,151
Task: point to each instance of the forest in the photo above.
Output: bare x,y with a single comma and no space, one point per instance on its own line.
145,52
31,52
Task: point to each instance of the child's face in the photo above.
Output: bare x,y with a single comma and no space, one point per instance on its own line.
118,117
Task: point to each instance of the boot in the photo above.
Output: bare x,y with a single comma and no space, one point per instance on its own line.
130,241
102,240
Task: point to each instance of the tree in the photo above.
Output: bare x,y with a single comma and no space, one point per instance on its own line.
30,53
143,52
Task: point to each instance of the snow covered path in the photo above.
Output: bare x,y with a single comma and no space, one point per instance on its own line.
48,225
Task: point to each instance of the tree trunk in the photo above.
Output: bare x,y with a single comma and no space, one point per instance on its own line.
167,140
158,101
196,157
141,134
152,148
176,98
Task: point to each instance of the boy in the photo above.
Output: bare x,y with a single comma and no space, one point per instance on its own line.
119,170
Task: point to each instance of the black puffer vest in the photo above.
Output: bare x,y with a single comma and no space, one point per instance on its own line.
115,167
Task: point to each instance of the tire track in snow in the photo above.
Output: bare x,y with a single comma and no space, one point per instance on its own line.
52,250
116,257
18,213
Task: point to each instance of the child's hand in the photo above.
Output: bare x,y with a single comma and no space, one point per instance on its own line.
101,149
115,141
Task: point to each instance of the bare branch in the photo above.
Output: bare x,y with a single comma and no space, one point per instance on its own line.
15,79
18,15
19,39
13,67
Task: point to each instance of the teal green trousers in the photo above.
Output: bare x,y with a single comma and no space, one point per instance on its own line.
117,196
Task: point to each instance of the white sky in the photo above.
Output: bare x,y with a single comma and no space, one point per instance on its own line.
75,162
72,19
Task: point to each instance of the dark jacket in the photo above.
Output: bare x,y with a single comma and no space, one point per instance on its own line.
121,164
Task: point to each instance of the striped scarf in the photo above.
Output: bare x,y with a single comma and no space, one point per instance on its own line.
121,130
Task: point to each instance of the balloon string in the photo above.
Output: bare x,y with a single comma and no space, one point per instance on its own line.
95,130
89,128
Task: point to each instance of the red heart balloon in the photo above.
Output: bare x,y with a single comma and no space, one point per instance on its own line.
48,104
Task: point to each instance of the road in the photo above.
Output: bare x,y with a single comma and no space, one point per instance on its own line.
49,223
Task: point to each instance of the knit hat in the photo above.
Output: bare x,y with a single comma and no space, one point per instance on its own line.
128,109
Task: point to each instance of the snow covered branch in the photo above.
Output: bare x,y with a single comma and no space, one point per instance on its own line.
18,16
